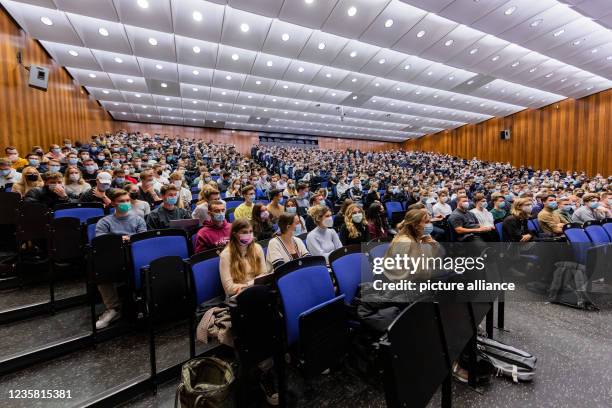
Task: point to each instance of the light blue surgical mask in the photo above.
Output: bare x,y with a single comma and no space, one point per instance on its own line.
291,210
73,161
171,200
218,217
594,204
552,205
5,173
34,162
428,229
54,169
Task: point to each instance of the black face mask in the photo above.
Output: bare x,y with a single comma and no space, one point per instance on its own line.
160,172
32,177
134,195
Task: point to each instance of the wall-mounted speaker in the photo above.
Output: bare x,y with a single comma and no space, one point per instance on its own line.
39,77
505,134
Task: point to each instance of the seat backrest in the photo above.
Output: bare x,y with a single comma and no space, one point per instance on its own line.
82,211
499,227
65,239
9,208
404,350
205,275
107,259
393,206
33,221
608,228
167,289
349,266
300,290
379,250
597,234
576,234
232,204
91,227
148,246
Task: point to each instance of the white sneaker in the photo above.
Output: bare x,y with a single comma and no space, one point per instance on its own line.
106,318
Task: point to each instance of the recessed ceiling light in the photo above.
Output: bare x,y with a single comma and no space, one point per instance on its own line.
515,64
152,41
420,33
138,95
196,49
308,1
129,81
321,46
577,83
159,66
164,85
244,27
377,84
388,23
533,69
220,105
351,11
333,94
123,113
116,104
563,79
194,102
73,53
495,58
594,50
328,75
197,16
558,33
269,63
407,67
548,75
354,80
257,82
235,57
510,10
503,91
449,43
589,88
223,93
285,86
92,75
609,58
473,51
170,109
250,97
167,99
228,77
195,89
195,72
274,100
418,92
470,82
355,97
382,61
577,42
450,78
46,21
105,91
143,4
243,108
536,23
103,32
285,37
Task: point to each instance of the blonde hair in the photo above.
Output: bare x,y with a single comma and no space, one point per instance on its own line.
317,213
348,221
67,175
517,207
408,227
238,263
23,186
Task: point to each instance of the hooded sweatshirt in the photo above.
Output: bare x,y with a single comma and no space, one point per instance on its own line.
212,235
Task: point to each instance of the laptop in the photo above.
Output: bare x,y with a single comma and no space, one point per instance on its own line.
187,225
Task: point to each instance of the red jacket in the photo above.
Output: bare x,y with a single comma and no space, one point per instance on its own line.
211,236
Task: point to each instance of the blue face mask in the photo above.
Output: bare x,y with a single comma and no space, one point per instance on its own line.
552,205
502,204
34,162
428,229
219,217
509,197
171,200
119,180
594,204
291,210
5,173
73,161
298,229
54,169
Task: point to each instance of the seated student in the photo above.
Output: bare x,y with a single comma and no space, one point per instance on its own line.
118,176
242,260
605,201
234,190
8,175
291,207
290,191
378,227
484,218
245,210
216,231
589,211
12,155
499,207
97,194
322,240
442,208
52,193
372,196
30,178
168,211
34,161
285,246
302,196
74,183
355,193
147,188
123,223
178,180
355,228
139,207
262,227
339,220
275,208
207,194
465,223
565,210
89,171
515,227
314,201
549,218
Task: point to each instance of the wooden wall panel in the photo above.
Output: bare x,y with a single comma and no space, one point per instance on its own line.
571,134
32,117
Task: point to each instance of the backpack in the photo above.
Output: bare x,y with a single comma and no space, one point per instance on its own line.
507,360
206,382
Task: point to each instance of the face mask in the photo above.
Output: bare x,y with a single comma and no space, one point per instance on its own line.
56,151
51,187
177,183
465,205
124,207
291,210
90,169
219,217
207,179
502,204
509,197
328,222
103,187
85,157
552,205
245,239
100,158
527,209
298,229
73,161
32,177
482,204
120,180
171,200
428,229
265,215
5,173
34,162
68,145
250,197
134,195
74,177
357,218
594,204
54,169
116,161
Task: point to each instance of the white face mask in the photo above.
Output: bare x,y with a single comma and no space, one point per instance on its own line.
328,222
